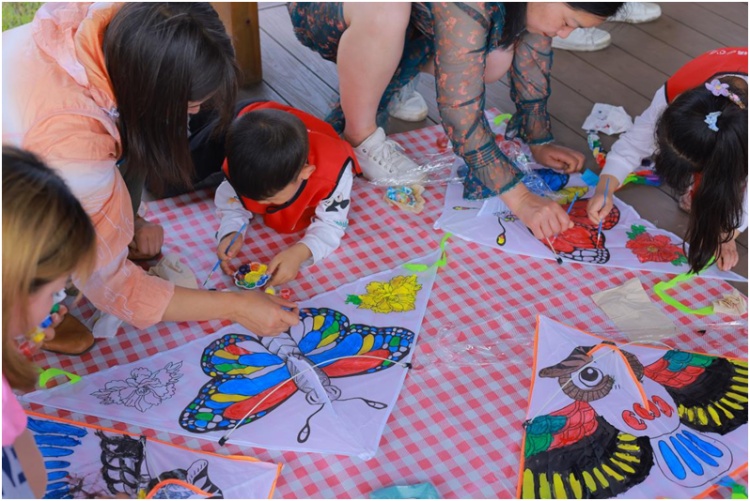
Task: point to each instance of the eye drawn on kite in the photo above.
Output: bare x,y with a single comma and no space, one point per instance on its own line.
653,248
395,296
625,418
143,389
580,242
251,377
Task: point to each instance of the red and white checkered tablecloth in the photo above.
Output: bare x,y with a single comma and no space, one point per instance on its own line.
457,423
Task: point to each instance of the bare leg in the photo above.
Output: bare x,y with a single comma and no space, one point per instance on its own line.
368,55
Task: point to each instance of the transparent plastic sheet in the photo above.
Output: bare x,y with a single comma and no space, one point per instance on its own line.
437,166
465,347
434,168
469,346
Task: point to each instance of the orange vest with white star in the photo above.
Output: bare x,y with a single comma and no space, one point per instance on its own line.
328,153
702,69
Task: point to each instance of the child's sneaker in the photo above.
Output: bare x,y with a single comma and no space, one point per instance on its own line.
382,160
584,40
408,104
637,12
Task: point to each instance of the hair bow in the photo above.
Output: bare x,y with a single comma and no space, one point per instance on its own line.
711,120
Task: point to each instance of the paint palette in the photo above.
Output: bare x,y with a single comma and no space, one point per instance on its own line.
251,276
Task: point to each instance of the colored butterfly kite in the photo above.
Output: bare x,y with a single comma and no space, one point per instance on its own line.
330,382
252,377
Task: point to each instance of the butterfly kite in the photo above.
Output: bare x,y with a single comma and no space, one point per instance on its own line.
580,243
670,422
251,377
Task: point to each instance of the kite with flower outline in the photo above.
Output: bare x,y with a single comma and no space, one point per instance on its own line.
143,389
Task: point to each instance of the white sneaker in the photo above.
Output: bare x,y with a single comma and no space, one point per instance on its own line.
408,104
637,12
583,39
382,161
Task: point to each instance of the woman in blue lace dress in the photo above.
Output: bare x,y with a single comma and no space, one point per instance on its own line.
381,47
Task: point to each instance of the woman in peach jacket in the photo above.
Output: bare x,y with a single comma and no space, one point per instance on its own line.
102,93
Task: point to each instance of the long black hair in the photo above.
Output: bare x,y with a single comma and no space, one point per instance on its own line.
515,17
687,146
159,56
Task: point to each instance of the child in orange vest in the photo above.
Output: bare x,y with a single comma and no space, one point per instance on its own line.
697,126
296,172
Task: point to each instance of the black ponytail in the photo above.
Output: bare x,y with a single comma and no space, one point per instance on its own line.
687,146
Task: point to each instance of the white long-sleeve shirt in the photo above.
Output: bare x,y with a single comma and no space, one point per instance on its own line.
639,142
324,234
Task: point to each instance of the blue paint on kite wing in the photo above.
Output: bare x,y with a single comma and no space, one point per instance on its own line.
251,386
54,452
56,441
56,475
686,457
706,446
44,426
52,465
348,346
695,450
672,461
260,360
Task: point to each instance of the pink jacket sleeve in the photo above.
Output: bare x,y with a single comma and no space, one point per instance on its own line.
84,156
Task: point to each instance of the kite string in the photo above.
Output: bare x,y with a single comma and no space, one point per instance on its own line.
226,436
556,393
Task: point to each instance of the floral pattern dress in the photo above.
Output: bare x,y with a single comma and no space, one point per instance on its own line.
459,36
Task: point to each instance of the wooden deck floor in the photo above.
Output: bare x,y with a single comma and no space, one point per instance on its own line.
626,74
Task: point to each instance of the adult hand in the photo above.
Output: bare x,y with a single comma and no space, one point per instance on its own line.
602,202
544,217
226,255
558,157
264,314
727,257
147,241
285,265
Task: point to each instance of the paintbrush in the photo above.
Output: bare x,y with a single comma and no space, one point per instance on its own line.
557,258
599,232
570,207
231,243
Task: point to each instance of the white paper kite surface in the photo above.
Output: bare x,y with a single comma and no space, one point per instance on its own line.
349,356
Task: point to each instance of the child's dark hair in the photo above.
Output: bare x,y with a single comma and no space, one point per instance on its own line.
515,17
688,146
160,56
266,150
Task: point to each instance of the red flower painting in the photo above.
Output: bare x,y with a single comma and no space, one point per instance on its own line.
653,248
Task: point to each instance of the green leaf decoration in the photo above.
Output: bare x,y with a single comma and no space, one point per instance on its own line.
353,299
636,230
681,259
